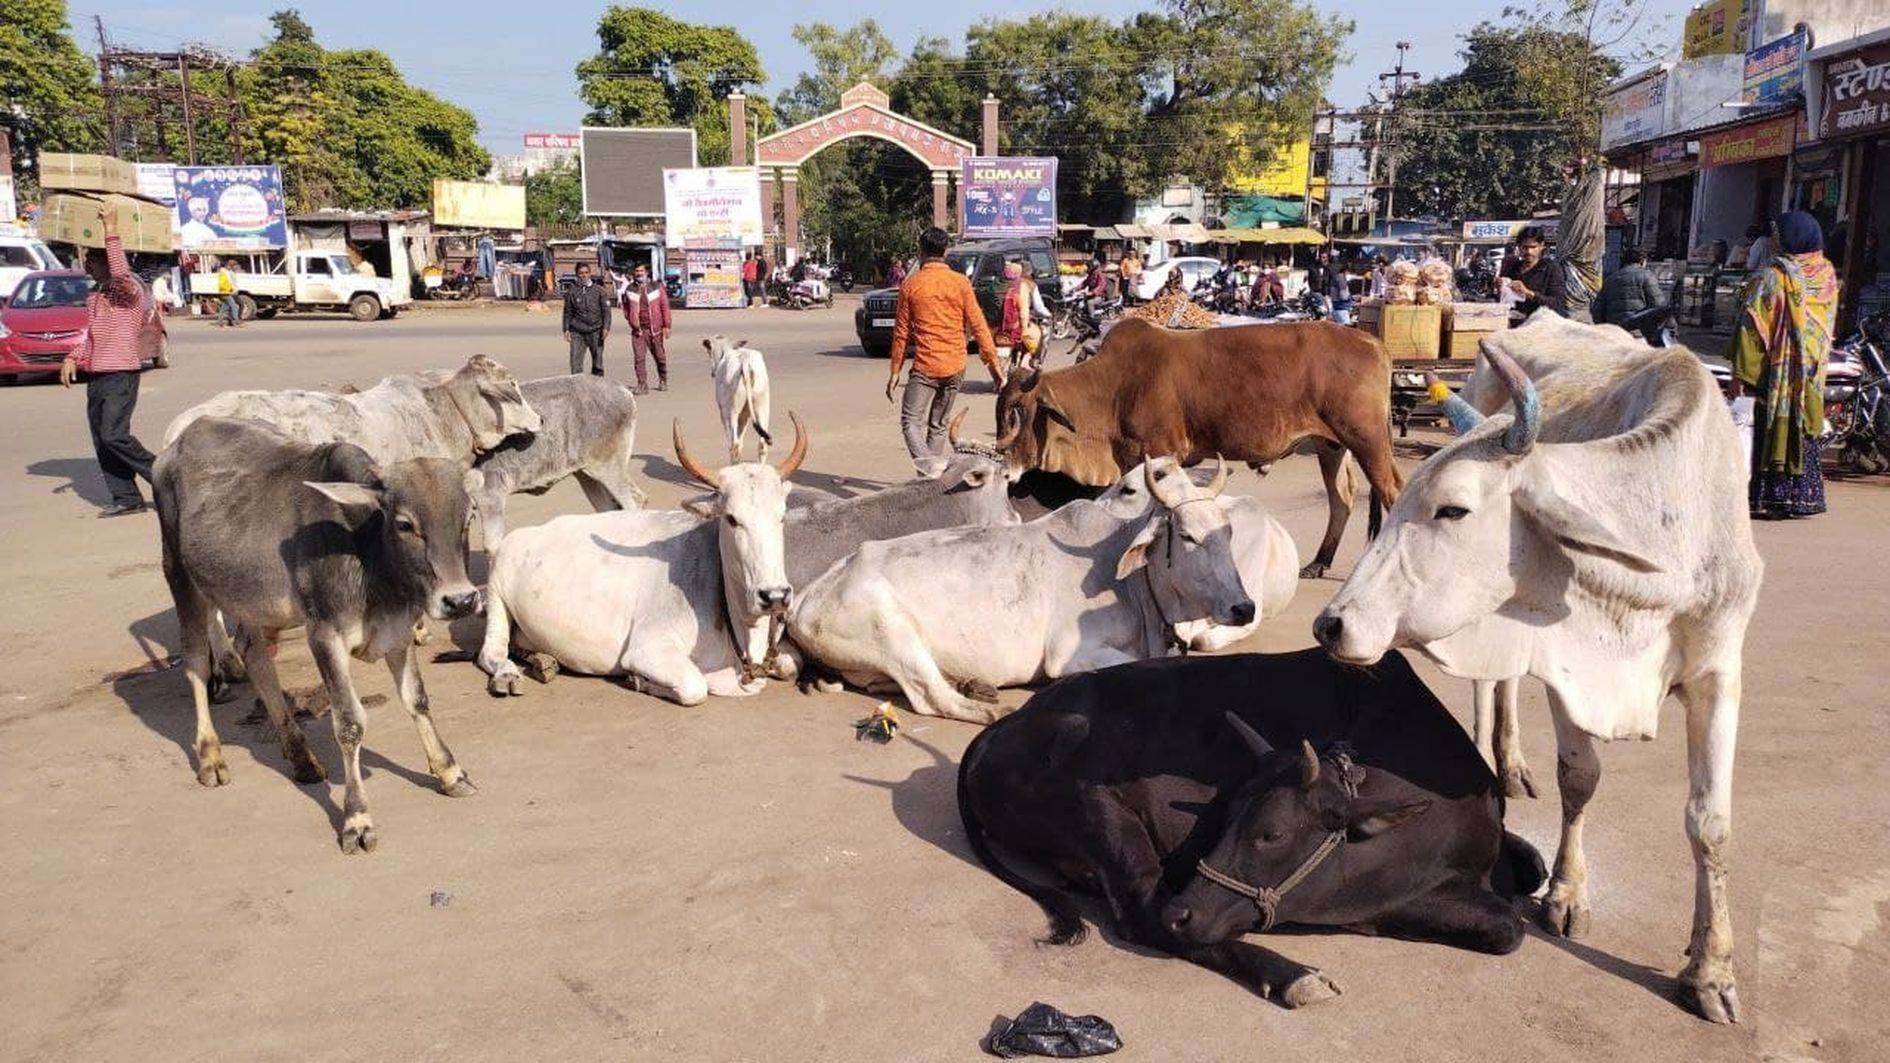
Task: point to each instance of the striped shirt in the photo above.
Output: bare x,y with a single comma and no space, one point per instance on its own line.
115,314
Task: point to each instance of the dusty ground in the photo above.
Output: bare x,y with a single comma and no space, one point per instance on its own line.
744,880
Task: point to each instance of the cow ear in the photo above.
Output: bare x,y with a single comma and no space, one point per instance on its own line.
358,502
1047,402
1368,819
706,347
703,506
973,476
1137,554
1574,527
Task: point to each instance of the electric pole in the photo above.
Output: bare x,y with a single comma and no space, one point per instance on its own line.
1397,78
105,86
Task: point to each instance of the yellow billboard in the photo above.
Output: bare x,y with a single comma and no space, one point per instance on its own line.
1718,27
478,205
1284,175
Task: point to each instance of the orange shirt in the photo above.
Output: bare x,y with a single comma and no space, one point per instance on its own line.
936,307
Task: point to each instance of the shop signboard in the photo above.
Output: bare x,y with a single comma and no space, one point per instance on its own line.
712,203
1484,232
1775,72
478,205
1001,197
1635,112
713,274
1856,93
229,208
1718,27
1749,143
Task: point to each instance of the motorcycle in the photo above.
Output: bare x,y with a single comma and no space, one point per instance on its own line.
810,290
843,279
1857,398
1089,324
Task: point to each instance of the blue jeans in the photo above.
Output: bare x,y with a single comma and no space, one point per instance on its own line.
231,311
1342,312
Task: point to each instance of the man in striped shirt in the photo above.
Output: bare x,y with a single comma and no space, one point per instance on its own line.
115,317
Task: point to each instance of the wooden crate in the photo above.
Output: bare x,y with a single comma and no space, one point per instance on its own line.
1478,317
1406,329
73,218
1463,342
86,173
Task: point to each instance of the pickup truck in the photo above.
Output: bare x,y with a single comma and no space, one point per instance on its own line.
305,280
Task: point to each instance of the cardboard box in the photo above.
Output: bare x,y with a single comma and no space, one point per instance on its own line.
1478,317
1463,342
87,173
74,218
1407,330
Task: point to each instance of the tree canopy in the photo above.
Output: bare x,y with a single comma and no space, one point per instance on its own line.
51,82
654,70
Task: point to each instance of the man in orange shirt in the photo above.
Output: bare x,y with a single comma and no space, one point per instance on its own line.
936,307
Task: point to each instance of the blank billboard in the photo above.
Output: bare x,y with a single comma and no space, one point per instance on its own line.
623,168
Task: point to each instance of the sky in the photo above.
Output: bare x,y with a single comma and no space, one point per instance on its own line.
517,76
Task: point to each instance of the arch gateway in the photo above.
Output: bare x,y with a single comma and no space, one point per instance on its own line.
864,111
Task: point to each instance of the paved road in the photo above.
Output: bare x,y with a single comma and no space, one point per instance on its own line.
744,880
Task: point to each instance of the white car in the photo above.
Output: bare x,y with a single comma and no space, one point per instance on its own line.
1195,270
20,255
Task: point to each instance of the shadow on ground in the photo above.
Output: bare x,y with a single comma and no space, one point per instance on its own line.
662,469
77,475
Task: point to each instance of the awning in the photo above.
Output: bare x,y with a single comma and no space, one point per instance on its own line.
1134,232
1188,233
1107,232
1291,234
1069,227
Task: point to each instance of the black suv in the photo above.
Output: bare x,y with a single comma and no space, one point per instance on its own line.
983,261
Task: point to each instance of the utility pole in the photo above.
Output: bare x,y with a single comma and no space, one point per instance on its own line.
1397,78
105,86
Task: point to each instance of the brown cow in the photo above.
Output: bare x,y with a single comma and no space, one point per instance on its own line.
1249,393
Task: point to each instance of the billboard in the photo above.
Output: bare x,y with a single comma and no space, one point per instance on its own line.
1007,197
1635,112
552,141
623,168
1775,72
478,205
229,208
712,203
158,181
1718,27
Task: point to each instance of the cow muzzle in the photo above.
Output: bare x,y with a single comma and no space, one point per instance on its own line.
451,606
1347,642
774,600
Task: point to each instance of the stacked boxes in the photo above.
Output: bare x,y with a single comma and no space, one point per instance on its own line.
81,187
86,173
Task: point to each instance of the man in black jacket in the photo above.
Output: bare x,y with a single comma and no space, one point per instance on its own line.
586,320
1538,279
1631,296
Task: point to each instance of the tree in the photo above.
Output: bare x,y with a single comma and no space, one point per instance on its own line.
842,59
654,70
555,196
48,92
1496,138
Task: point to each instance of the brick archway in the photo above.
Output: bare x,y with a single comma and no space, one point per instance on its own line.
864,111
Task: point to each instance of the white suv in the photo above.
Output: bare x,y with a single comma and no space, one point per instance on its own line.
20,255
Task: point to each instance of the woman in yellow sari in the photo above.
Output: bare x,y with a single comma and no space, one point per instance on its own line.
1788,316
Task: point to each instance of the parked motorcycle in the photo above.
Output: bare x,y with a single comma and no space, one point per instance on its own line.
1857,398
1089,323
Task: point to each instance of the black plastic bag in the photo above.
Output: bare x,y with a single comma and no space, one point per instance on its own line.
1041,1030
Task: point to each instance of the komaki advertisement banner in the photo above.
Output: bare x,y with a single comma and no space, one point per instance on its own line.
230,208
1007,197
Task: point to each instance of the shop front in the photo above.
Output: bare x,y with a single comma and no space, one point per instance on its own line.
1852,93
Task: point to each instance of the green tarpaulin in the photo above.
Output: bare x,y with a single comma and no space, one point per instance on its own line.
1250,212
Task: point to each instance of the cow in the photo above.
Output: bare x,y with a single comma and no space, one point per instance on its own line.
979,608
681,605
1209,797
459,416
1598,540
276,533
1250,393
741,393
1264,555
587,430
972,491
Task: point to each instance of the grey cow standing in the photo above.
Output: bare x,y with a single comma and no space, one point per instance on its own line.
274,534
587,430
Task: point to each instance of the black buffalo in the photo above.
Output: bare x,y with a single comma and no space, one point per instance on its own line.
1209,797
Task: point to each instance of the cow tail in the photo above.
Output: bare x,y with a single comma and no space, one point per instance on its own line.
1375,515
1066,922
1519,870
748,401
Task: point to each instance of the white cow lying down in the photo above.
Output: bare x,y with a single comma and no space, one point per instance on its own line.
973,609
1264,554
651,594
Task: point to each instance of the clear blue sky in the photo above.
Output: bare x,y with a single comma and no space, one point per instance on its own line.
517,75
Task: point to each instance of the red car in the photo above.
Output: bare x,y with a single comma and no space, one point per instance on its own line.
44,320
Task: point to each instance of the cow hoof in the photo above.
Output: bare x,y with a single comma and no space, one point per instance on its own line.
542,667
361,839
1309,988
213,773
308,771
978,690
462,787
829,686
1565,911
504,683
1714,997
1314,570
1519,782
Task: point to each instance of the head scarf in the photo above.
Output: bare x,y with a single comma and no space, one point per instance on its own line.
1799,233
1013,271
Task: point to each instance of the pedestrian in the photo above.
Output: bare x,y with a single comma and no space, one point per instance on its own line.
1380,277
751,279
1339,294
586,320
1631,297
936,308
895,274
1786,322
1021,327
646,311
115,313
1130,270
230,313
1759,251
1537,279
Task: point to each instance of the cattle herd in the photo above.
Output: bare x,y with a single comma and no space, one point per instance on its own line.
1587,528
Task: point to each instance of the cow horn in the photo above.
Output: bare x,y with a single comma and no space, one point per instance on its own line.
1258,745
1010,435
1219,483
688,462
1308,765
1162,487
1522,391
951,430
799,453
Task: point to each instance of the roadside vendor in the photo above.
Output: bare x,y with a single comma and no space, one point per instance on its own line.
1536,279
